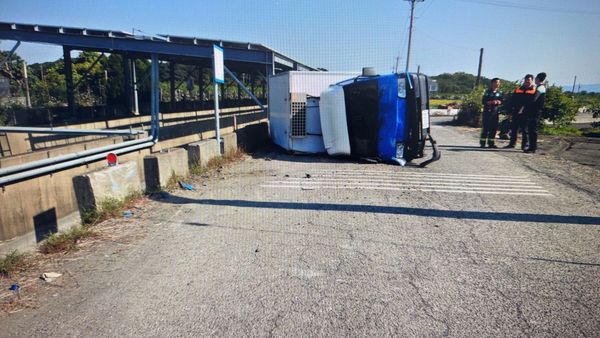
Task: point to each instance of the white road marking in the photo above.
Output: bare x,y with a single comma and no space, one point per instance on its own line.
412,189
401,178
403,181
418,184
410,173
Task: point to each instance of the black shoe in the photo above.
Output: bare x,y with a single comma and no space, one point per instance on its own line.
529,151
482,145
510,146
493,146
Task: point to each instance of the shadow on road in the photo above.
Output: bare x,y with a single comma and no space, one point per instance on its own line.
481,215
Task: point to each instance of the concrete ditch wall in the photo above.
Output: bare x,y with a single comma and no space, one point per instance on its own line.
34,208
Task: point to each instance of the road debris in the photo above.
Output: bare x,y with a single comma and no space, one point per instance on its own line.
185,186
50,276
15,288
127,213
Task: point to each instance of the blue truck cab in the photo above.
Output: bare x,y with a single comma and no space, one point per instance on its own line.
378,117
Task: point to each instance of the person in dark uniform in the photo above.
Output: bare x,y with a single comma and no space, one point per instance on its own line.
522,107
492,99
533,120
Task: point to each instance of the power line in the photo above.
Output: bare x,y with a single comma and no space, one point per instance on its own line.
401,49
530,7
466,25
426,9
410,29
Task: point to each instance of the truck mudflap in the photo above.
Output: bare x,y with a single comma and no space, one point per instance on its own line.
436,153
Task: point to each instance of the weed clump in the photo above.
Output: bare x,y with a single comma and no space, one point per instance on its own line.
13,262
65,241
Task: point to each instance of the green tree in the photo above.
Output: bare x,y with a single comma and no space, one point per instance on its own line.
457,83
13,70
559,108
469,112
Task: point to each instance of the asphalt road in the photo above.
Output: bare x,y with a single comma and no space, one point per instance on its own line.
483,243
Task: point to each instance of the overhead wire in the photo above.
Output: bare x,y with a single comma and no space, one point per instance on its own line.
402,45
530,7
419,16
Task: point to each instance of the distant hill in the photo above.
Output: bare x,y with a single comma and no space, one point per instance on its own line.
457,83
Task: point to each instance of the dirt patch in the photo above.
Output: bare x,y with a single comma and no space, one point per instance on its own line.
582,150
111,237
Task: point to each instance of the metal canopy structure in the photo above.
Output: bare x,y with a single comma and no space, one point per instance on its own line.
167,47
238,56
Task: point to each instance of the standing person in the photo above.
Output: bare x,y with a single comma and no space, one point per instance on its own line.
492,99
535,114
522,105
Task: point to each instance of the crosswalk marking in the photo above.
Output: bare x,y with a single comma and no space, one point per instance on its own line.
400,181
419,185
435,179
379,172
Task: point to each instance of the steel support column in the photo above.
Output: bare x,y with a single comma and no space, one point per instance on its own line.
68,69
128,83
172,83
201,86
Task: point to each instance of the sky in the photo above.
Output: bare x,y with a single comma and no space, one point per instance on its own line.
559,37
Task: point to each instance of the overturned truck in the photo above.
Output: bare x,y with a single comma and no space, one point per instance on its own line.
379,118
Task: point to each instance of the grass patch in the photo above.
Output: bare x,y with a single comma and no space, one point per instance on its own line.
65,241
560,131
109,208
14,261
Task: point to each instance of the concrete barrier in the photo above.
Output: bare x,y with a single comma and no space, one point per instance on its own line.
443,112
110,182
230,142
159,168
199,153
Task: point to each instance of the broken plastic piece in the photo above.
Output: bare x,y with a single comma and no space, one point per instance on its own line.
185,186
127,213
50,276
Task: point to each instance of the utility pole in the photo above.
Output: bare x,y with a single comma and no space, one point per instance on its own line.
412,15
574,82
479,68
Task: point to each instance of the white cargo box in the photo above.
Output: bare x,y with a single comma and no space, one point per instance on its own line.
294,118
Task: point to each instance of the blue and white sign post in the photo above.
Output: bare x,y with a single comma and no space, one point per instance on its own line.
218,78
